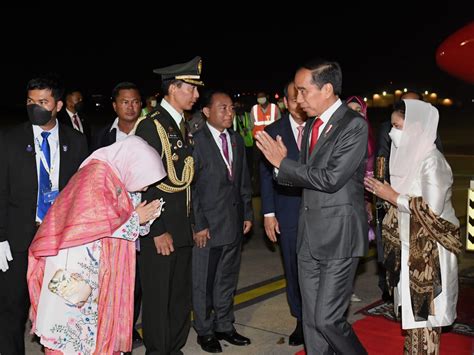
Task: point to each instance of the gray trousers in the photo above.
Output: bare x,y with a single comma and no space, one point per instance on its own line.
215,276
326,288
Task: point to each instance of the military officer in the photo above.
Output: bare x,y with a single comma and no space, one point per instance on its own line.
165,259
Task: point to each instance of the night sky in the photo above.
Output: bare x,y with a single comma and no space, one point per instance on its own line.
385,52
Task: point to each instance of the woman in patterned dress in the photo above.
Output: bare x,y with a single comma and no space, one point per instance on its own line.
90,232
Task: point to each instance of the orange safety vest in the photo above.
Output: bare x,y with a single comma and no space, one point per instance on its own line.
263,119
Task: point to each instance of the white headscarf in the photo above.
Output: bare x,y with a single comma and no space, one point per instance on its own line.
417,140
136,163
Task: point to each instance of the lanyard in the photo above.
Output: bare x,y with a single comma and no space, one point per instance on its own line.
49,169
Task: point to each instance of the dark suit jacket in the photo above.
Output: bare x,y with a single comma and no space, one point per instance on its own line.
220,203
174,218
384,144
332,216
19,179
103,137
63,117
284,201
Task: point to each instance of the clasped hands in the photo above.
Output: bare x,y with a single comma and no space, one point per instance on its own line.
274,150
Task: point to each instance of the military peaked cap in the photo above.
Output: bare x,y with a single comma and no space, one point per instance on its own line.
189,72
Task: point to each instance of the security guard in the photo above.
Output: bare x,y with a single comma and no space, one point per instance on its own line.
165,259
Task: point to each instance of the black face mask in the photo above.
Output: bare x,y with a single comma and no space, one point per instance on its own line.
79,106
38,115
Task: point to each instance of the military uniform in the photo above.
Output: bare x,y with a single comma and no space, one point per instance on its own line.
166,280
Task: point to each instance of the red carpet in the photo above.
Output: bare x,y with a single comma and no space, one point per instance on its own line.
383,337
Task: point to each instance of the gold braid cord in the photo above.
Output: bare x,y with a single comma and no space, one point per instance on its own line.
188,170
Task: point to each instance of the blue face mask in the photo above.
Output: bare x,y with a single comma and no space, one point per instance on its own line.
396,136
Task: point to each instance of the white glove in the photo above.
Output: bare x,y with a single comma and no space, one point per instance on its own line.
5,255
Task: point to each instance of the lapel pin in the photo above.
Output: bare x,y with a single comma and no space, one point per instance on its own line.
29,148
64,148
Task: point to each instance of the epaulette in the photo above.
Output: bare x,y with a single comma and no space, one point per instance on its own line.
154,113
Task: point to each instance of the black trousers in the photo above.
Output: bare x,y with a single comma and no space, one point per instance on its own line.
166,299
14,305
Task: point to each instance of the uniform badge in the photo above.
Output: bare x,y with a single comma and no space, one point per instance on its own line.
174,157
29,148
64,148
179,143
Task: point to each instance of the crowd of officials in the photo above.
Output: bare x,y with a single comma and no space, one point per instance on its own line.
150,212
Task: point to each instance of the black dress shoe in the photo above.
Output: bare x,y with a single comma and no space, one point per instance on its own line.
296,338
233,338
209,343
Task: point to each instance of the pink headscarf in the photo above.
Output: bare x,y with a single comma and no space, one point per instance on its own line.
363,111
91,207
136,163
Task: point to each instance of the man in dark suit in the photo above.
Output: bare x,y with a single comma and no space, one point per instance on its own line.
281,204
37,158
222,205
73,113
332,229
127,103
166,253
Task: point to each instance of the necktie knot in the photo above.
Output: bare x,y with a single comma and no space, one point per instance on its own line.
45,135
315,133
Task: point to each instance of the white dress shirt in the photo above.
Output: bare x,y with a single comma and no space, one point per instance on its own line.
294,127
54,148
326,115
177,117
79,128
216,135
120,135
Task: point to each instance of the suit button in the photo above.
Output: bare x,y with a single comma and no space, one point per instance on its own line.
306,208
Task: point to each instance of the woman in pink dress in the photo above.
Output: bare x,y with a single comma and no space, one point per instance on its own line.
87,243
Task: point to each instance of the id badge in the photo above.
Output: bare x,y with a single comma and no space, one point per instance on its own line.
50,195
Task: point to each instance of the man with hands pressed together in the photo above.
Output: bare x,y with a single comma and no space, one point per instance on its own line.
332,229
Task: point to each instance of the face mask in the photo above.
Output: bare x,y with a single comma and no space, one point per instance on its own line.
38,115
262,100
396,136
79,106
153,103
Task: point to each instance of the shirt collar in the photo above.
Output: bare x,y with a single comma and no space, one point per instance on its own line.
294,124
70,113
215,133
172,111
115,125
326,115
37,130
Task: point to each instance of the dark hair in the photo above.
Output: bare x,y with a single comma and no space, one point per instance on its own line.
399,106
47,82
124,85
323,72
208,96
165,85
285,89
70,91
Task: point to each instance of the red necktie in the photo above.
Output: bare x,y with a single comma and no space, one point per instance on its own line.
315,133
76,121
